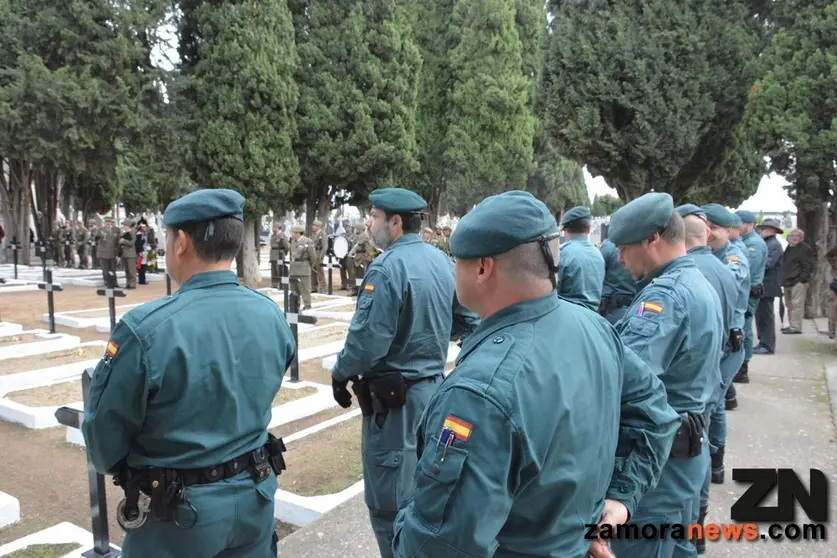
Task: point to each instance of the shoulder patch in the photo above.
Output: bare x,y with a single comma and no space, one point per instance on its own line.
653,307
732,259
369,287
459,428
752,249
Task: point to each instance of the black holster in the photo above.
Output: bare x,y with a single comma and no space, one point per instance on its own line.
390,389
736,339
757,291
688,441
364,397
275,448
166,490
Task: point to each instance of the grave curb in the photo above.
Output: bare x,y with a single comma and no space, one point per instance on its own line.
80,322
52,342
9,510
9,328
57,534
35,418
36,378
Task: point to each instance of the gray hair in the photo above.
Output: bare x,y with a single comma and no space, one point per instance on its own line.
695,229
800,231
675,230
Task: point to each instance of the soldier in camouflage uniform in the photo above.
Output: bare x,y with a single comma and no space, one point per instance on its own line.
278,248
128,253
92,240
69,243
363,252
57,240
346,265
429,238
444,240
82,241
303,255
318,279
107,241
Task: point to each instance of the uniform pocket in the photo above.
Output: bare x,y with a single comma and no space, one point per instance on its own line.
382,472
364,305
438,474
267,488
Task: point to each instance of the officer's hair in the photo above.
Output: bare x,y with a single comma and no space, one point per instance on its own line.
216,240
579,226
695,229
675,230
526,263
410,222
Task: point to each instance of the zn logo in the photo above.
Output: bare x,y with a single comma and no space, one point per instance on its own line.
789,489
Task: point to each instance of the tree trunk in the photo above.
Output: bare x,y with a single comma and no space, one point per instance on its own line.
310,208
257,233
433,202
250,262
324,206
813,219
15,195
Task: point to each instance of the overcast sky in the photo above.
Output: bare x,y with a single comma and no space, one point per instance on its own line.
769,197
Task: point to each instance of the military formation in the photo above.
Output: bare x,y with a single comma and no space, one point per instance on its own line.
590,390
107,248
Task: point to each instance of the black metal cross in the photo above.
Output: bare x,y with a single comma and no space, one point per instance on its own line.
112,293
48,286
96,482
42,252
294,318
15,247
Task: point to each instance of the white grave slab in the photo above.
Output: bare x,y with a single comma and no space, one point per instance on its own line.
8,328
302,510
62,533
302,408
35,418
47,342
9,511
52,374
19,287
80,319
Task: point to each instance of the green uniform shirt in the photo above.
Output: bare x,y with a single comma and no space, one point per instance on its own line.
617,280
756,251
737,262
188,381
721,279
543,397
581,273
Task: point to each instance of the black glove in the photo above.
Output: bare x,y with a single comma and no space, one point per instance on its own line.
341,394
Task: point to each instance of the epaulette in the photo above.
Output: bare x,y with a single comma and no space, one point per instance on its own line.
667,281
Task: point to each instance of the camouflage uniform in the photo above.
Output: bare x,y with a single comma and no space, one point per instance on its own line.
303,255
92,241
69,243
82,241
57,240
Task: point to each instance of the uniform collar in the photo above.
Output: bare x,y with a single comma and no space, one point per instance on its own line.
409,238
699,250
582,239
516,313
209,279
676,263
723,249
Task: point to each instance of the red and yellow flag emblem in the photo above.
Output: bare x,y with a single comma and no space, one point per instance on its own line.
369,287
111,349
460,428
653,307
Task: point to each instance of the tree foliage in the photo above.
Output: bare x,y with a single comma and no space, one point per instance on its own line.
555,180
489,138
646,92
605,205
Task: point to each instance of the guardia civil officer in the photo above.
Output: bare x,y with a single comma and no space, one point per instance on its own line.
720,222
396,350
676,326
518,445
619,287
180,402
582,270
756,251
724,283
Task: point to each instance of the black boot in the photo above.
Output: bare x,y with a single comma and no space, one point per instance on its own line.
700,542
718,466
742,377
730,399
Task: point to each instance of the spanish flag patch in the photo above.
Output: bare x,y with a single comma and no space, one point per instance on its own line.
460,428
111,349
732,259
653,307
369,287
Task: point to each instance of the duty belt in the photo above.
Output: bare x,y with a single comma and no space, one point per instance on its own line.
411,383
159,491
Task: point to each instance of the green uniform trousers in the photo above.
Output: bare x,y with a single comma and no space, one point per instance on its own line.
752,304
390,460
674,500
235,519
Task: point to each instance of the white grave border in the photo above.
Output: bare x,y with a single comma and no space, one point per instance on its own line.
49,342
63,533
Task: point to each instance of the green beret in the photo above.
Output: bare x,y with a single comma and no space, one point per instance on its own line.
204,205
397,200
691,209
736,220
640,218
574,214
746,216
499,224
317,223
298,229
720,215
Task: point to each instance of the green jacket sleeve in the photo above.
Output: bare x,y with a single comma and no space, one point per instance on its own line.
647,426
117,400
456,486
373,326
653,337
